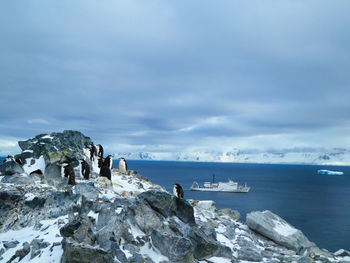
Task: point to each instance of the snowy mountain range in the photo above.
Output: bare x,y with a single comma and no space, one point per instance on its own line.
335,156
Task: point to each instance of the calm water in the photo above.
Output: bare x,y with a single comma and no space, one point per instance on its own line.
319,205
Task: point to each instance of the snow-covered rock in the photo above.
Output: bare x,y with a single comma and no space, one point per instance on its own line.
274,227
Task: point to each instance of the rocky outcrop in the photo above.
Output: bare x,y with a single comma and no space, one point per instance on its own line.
44,155
56,147
274,227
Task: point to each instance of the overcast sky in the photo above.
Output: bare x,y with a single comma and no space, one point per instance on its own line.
177,75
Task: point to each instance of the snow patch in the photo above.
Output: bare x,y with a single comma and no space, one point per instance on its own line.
39,164
284,229
47,137
156,256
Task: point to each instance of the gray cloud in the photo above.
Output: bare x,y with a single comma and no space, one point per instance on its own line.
172,75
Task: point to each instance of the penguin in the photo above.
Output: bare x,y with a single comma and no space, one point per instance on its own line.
9,158
105,172
93,152
100,162
85,169
108,161
68,171
178,191
99,150
123,167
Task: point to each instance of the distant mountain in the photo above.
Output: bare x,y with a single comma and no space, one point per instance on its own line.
336,156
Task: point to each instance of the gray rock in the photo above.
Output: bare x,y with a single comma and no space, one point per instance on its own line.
80,229
10,168
21,253
233,214
65,146
305,260
342,253
74,252
145,217
177,249
17,179
169,205
10,244
272,226
205,247
87,189
53,175
249,254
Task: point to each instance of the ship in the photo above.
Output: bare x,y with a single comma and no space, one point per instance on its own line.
329,172
230,187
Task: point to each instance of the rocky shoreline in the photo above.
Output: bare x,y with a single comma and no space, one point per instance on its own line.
127,219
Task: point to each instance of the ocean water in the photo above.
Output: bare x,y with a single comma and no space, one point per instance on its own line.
318,205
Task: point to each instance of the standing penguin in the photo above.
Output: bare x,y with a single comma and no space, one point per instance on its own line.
68,171
178,191
105,172
99,150
123,167
108,161
93,152
85,169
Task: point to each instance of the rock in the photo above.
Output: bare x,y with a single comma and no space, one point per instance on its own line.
249,254
233,214
10,168
272,226
305,260
53,175
169,205
205,247
177,249
74,252
208,205
17,179
21,253
342,253
145,217
87,189
10,244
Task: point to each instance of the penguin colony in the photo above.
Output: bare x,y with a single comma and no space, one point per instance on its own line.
96,156
105,165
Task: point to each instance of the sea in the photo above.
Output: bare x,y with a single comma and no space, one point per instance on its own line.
318,205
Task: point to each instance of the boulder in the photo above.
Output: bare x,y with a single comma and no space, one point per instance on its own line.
274,227
177,249
169,205
17,179
233,214
10,168
75,252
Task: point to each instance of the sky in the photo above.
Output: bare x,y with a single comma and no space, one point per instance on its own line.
175,76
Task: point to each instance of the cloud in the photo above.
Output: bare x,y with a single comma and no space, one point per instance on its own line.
176,75
37,121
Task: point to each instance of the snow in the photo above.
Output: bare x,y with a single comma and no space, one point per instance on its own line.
93,215
39,164
154,254
283,228
49,232
335,156
218,260
29,196
47,137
